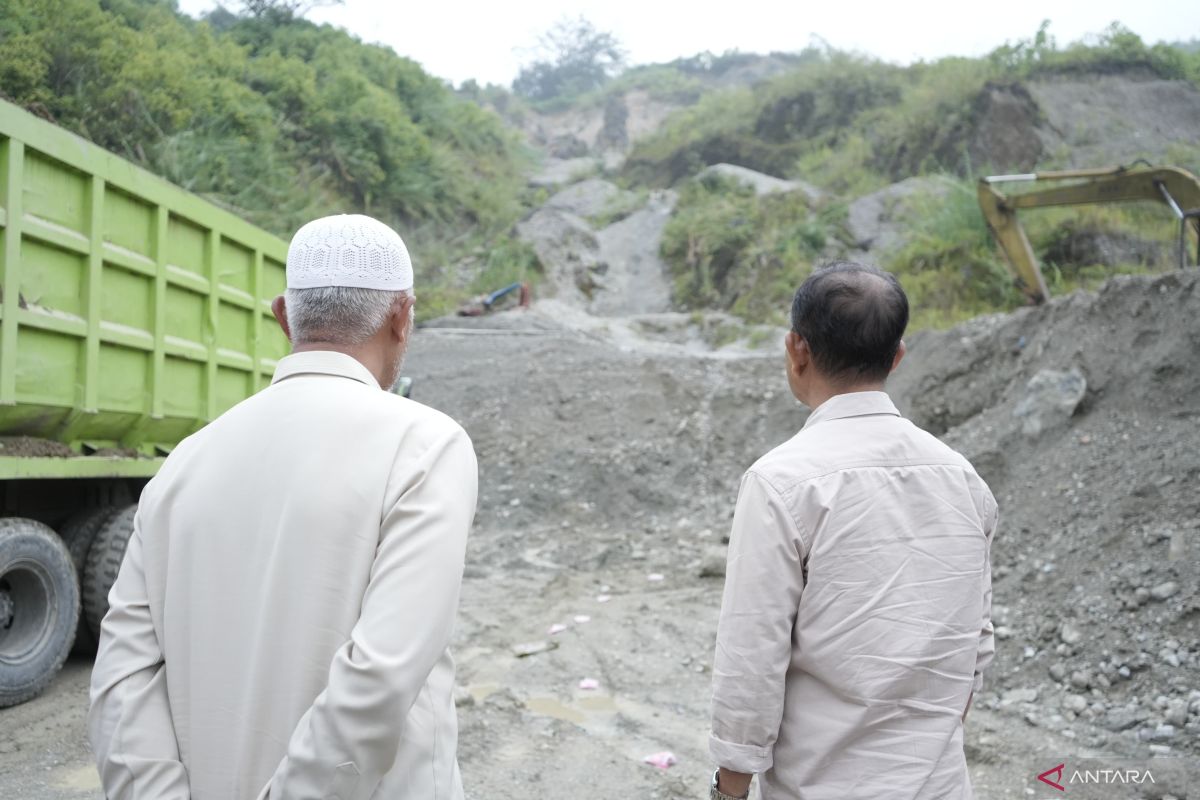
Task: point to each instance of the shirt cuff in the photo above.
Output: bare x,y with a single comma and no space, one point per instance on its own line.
746,758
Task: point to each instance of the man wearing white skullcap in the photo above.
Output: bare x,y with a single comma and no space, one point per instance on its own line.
279,627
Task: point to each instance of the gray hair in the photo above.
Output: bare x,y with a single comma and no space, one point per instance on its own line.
343,315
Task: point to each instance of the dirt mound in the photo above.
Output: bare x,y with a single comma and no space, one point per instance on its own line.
1096,565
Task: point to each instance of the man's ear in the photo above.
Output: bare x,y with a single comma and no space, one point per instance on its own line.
798,354
279,309
402,314
900,352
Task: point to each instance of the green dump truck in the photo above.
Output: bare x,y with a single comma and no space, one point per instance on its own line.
132,313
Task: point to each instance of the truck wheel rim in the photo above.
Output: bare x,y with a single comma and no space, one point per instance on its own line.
26,608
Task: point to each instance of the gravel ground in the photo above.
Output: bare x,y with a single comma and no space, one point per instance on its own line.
603,466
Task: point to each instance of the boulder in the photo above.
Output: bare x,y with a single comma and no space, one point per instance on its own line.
760,182
878,221
1050,399
567,248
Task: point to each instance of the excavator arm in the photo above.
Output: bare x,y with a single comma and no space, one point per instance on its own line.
1178,189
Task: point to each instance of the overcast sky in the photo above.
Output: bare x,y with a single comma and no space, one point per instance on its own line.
488,40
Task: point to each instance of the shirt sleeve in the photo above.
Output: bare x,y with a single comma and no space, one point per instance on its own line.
987,638
763,583
129,724
348,739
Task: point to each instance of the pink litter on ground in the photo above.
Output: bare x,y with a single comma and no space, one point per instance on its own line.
654,576
557,628
603,598
582,618
589,684
661,760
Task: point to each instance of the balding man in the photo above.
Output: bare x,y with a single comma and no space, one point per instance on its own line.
855,625
280,623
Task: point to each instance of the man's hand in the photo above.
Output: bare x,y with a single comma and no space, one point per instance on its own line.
734,784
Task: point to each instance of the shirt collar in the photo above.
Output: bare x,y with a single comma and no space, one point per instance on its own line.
323,362
852,404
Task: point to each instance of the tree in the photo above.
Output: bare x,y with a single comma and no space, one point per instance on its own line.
573,57
280,11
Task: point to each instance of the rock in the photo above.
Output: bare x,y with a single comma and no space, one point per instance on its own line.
760,182
463,697
568,251
636,282
1081,679
1070,634
1075,702
1003,632
533,648
1122,719
1177,712
712,564
1050,399
1162,733
1019,696
1058,671
1164,590
1170,658
879,221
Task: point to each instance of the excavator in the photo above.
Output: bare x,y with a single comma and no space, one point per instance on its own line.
1176,188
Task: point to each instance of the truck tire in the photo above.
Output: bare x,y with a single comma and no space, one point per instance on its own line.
78,533
39,608
103,564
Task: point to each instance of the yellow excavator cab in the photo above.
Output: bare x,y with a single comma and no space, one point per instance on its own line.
1176,188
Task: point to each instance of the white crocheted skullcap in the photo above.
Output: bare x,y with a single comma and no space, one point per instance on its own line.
348,250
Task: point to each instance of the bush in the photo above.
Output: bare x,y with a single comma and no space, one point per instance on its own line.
246,110
731,250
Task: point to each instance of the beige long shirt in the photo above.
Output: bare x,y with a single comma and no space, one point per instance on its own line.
280,623
856,616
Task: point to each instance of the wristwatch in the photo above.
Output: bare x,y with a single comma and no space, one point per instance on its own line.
716,794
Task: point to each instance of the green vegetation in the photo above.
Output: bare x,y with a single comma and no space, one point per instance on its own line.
851,125
270,115
732,250
282,120
850,122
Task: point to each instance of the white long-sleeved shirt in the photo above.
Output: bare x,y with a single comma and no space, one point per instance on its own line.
280,623
856,620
